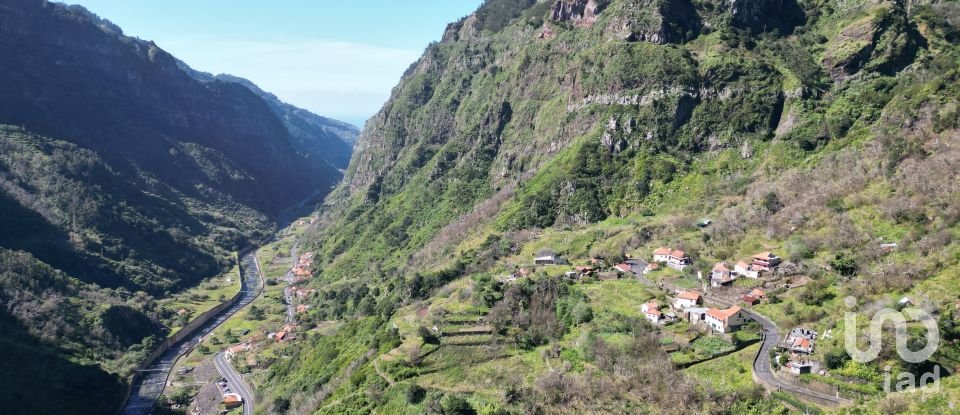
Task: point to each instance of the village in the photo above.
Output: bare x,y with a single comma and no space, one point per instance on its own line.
729,302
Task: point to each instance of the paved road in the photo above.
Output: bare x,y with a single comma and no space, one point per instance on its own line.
234,381
287,293
149,385
763,370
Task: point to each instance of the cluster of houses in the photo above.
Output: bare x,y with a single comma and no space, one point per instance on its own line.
303,269
722,275
798,345
285,334
690,306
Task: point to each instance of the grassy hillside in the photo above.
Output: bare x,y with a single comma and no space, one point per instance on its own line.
817,130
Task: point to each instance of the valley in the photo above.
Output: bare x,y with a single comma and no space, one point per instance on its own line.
564,206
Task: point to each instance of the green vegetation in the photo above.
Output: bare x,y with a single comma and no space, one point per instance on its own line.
520,133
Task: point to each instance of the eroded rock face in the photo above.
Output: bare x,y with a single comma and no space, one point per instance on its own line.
656,22
580,12
767,15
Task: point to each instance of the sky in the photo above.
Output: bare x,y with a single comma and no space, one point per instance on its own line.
337,58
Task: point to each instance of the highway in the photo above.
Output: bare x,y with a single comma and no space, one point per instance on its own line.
234,381
763,370
149,384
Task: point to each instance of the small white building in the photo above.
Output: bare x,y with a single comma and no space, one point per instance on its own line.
651,311
687,299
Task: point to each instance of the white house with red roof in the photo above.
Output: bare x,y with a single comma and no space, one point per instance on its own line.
743,269
726,321
674,258
687,299
623,268
651,310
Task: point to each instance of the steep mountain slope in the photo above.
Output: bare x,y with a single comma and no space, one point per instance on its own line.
816,128
124,179
313,135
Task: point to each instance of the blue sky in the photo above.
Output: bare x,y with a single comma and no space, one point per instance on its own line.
337,58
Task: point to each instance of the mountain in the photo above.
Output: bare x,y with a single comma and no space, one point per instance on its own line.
125,180
817,129
313,135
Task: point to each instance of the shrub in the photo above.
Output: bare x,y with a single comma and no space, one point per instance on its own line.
415,394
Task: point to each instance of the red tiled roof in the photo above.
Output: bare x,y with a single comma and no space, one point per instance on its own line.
721,267
662,251
763,256
678,254
723,314
623,267
689,295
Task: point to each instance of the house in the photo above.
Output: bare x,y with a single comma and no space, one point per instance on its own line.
695,315
653,266
687,299
233,351
800,340
232,400
548,259
674,258
584,270
744,269
721,272
650,305
661,254
758,294
726,321
720,275
280,336
905,302
799,368
749,299
302,292
678,260
765,261
302,308
801,345
522,273
651,311
623,268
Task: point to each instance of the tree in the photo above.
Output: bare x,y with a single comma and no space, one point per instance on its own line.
255,313
844,264
415,394
455,405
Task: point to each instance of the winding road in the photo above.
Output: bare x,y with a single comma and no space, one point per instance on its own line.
763,371
148,386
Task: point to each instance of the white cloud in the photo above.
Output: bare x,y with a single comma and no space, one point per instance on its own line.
349,81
